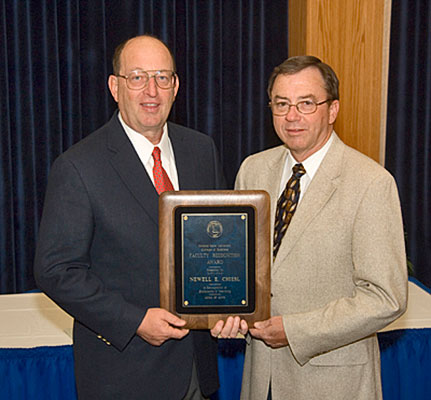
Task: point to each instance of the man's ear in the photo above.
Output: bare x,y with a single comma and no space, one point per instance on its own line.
333,111
113,86
177,85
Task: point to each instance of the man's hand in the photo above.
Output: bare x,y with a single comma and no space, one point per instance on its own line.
229,329
271,331
160,325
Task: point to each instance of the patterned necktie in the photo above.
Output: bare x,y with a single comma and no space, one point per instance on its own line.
161,178
286,206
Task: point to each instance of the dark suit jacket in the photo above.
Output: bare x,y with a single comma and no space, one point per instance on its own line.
97,257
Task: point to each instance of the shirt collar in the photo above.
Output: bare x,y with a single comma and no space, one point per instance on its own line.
312,163
144,145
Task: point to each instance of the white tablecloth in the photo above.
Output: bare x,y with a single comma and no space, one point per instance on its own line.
32,319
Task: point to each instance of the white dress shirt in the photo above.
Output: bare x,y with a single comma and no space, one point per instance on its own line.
145,148
311,165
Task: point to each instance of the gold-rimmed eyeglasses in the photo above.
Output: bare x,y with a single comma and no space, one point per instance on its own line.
282,107
136,80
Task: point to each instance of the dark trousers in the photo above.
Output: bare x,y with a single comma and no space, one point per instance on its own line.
194,392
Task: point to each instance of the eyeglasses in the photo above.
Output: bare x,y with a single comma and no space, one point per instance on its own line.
281,107
136,80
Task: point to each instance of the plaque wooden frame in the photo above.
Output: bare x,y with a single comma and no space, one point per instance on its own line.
259,201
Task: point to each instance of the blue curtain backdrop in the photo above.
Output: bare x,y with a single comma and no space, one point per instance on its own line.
55,58
408,140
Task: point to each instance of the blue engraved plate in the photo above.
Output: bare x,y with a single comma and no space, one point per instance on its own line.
214,260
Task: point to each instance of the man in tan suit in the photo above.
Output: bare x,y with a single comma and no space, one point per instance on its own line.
339,273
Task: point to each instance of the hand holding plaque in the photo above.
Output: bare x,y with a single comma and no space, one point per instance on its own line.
215,255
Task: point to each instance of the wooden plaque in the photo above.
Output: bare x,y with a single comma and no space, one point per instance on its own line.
215,255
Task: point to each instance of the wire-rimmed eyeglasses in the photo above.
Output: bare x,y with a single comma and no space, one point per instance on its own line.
138,79
282,107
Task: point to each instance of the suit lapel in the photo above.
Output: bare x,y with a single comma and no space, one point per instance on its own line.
126,162
275,168
129,167
184,159
319,192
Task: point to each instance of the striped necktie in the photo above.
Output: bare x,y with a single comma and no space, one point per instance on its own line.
286,206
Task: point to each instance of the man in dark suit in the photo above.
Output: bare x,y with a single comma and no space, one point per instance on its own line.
97,252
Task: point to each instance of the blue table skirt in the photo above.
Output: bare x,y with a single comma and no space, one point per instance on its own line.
406,364
41,373
46,373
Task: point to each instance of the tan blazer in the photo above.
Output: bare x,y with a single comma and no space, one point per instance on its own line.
340,275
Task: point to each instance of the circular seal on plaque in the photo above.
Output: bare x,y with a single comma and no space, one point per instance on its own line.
214,229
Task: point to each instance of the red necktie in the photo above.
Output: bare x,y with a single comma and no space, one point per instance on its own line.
161,178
